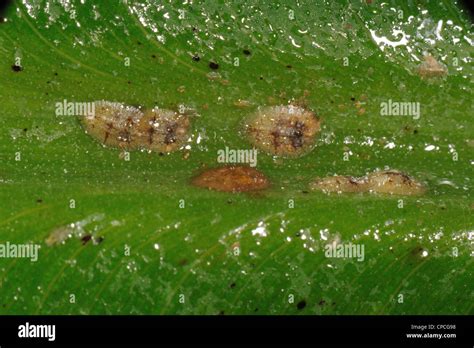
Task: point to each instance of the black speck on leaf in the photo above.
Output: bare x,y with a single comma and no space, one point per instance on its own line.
289,66
86,239
213,65
196,58
246,52
16,68
301,304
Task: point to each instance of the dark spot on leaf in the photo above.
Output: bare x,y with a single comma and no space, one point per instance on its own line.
161,154
196,58
415,131
232,285
289,66
183,262
301,304
86,239
352,98
229,201
213,65
246,52
261,77
221,313
39,200
16,68
255,310
129,82
98,240
138,42
322,302
305,192
153,56
25,129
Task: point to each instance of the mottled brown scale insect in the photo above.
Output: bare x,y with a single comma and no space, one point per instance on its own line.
232,179
162,130
130,128
284,130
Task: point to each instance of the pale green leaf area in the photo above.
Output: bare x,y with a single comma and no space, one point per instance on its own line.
244,253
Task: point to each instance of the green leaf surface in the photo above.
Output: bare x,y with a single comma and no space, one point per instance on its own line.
241,253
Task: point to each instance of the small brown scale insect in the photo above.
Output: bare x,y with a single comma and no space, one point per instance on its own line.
385,182
430,67
128,128
232,179
284,130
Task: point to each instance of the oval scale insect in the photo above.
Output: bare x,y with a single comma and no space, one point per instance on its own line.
130,128
283,130
386,182
232,179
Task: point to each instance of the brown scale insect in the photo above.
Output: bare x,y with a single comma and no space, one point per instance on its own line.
130,128
232,179
284,130
430,67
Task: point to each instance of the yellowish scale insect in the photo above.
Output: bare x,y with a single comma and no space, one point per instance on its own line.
129,128
386,182
283,130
